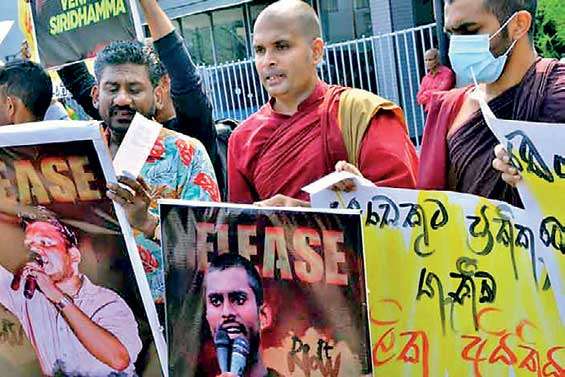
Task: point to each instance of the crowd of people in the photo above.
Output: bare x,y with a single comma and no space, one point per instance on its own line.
308,128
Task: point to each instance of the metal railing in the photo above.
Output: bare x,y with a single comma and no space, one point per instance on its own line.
391,65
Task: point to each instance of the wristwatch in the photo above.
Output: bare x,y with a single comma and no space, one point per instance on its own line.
63,302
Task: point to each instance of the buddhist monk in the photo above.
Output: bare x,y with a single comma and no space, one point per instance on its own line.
492,43
308,126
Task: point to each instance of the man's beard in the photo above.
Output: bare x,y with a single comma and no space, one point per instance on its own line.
254,348
114,109
503,43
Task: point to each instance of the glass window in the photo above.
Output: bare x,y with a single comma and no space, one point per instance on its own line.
229,34
196,31
330,6
337,20
361,4
255,8
363,22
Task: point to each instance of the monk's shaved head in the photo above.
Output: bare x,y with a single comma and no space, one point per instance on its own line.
288,48
296,14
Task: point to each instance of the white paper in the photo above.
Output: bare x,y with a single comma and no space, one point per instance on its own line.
333,178
136,146
322,196
5,27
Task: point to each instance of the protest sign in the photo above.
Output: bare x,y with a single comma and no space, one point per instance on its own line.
136,145
539,156
67,31
456,285
81,311
307,265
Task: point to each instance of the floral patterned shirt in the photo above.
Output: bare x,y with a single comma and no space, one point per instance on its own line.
178,167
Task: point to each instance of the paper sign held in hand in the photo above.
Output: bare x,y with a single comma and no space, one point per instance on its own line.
136,146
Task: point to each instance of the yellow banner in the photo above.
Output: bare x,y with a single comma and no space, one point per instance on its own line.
538,153
456,285
26,27
455,290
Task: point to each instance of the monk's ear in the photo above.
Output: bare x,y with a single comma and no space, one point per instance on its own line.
521,25
317,50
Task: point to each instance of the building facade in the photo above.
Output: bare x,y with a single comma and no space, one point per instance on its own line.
376,45
220,31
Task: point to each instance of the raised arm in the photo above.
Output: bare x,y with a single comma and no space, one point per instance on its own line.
78,80
8,297
192,107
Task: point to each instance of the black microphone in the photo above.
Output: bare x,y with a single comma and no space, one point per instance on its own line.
223,344
239,353
30,284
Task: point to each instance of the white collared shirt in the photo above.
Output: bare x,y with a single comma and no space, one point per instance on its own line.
56,346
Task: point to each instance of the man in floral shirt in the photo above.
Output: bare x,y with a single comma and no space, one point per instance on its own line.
178,167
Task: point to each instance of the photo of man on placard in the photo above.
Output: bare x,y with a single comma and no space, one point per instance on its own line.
263,292
236,313
74,326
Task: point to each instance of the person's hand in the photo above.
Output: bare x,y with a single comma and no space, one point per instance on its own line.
282,201
44,282
346,185
501,163
135,200
25,50
227,374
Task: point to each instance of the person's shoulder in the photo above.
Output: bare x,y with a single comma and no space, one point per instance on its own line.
355,94
557,66
552,110
449,97
556,78
252,122
99,292
444,68
333,89
446,103
177,137
361,100
173,144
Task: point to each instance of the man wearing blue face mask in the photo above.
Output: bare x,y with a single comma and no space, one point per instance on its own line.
492,44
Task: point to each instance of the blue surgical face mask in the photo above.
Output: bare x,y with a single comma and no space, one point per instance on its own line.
471,57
